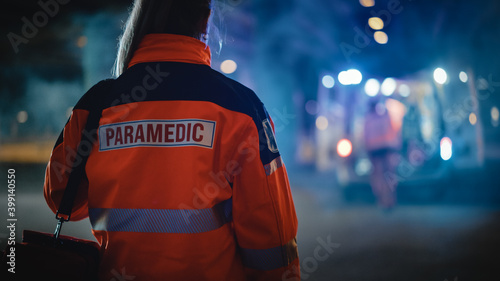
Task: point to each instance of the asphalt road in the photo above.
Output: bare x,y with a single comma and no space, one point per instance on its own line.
339,240
413,242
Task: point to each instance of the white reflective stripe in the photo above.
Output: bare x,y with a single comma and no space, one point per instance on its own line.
273,166
161,220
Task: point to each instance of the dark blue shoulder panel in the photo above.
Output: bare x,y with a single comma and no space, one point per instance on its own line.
171,81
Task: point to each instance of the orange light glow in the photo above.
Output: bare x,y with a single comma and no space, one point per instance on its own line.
381,37
367,3
397,111
344,148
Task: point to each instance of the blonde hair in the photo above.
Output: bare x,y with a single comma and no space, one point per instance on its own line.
182,17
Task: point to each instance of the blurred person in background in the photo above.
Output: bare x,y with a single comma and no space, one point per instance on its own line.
412,136
382,143
185,181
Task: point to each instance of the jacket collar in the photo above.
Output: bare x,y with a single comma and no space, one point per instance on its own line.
171,47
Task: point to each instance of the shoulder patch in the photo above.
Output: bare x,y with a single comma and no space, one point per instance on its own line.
157,133
271,140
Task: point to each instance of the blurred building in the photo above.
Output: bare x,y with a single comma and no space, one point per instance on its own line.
283,50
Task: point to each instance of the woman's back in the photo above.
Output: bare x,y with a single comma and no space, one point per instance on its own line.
185,181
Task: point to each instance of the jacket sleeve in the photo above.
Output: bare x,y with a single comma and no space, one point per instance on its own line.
264,216
61,160
64,154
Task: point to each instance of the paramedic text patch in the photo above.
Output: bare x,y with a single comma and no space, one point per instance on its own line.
163,133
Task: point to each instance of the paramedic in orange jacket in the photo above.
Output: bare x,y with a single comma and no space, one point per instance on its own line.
184,181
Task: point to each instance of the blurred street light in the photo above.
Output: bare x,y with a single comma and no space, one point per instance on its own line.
343,78
381,37
350,77
228,66
372,87
446,148
344,148
404,90
355,76
389,86
82,41
367,3
321,123
22,117
376,23
472,118
440,76
495,113
328,81
494,116
312,107
363,167
463,77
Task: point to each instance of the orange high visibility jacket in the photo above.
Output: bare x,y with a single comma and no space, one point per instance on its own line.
185,181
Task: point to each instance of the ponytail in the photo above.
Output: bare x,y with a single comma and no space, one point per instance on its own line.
182,17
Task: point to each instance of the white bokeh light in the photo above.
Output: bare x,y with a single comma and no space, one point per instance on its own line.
355,76
344,148
463,77
22,117
440,76
344,78
350,77
404,90
372,87
228,66
328,81
388,86
322,123
446,148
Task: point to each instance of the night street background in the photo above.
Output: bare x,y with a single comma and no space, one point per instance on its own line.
432,66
